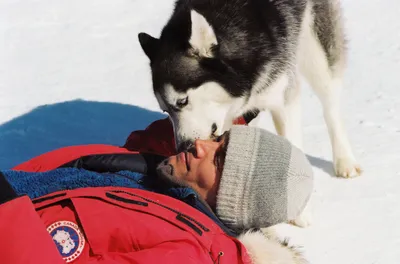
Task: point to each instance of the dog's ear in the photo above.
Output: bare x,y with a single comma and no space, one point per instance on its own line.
202,37
149,44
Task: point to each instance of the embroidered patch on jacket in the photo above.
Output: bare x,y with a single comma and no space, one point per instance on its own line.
68,239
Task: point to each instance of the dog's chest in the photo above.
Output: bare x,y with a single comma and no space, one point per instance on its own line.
268,97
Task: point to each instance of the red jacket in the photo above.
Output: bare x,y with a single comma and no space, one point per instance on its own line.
111,224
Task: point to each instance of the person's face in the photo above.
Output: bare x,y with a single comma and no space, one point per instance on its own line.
201,167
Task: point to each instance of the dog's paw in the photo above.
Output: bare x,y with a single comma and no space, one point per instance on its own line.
347,168
303,220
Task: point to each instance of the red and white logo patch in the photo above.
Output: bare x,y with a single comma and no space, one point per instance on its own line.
68,239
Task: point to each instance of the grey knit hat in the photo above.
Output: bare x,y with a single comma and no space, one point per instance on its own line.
265,181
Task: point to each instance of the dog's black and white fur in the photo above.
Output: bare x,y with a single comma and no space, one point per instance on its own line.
218,59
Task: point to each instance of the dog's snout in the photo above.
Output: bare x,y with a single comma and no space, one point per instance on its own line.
214,129
185,145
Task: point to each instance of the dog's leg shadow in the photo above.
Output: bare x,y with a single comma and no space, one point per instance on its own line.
325,165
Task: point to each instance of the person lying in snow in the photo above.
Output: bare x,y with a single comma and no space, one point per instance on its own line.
142,204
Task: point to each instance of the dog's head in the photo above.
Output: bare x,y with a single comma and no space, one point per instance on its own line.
192,80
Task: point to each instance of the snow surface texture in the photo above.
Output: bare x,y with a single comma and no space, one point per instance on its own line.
55,52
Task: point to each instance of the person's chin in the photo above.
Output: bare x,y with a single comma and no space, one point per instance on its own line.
166,172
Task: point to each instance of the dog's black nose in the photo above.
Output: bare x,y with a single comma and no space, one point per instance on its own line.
185,145
213,129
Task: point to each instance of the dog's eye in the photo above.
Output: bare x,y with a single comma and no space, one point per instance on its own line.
182,102
214,48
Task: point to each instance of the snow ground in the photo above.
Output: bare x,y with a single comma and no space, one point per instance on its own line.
55,52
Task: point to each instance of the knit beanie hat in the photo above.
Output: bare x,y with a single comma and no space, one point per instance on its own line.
265,181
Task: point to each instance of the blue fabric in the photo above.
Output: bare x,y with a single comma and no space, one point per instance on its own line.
37,184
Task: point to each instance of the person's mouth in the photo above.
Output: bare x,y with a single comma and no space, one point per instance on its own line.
186,160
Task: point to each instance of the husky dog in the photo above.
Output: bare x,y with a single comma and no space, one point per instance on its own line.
219,59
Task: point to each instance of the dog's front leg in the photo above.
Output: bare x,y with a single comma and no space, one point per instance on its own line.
287,117
287,121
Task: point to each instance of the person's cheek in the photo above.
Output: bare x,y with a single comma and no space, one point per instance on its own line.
206,178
